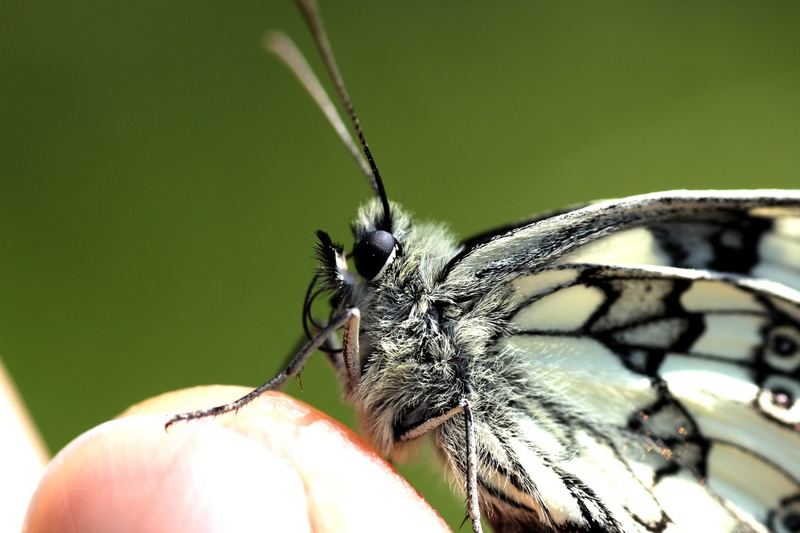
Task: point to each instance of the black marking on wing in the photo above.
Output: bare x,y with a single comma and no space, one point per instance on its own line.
517,475
730,246
664,520
674,434
643,359
584,494
787,516
496,493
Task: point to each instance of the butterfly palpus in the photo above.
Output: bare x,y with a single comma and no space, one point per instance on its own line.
567,388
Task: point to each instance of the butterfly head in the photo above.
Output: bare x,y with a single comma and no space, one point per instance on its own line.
376,248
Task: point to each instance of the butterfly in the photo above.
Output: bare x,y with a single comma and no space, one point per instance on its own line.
625,365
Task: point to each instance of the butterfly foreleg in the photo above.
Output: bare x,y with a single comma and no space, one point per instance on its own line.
467,468
292,369
352,360
473,508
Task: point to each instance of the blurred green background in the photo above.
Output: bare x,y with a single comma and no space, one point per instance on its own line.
161,178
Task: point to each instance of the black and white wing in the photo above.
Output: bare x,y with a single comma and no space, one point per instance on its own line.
755,233
679,393
760,243
646,397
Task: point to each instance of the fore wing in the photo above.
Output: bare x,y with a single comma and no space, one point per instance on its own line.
755,233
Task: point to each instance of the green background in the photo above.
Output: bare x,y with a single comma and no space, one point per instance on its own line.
161,178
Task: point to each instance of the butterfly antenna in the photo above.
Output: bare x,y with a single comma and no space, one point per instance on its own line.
311,14
284,48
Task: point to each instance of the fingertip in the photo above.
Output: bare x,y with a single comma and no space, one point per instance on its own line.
276,464
348,485
129,475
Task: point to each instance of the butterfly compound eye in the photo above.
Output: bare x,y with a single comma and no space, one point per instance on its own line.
373,253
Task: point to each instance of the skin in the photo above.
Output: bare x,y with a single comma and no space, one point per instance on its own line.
276,465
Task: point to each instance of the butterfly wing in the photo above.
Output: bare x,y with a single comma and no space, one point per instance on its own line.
645,397
754,233
696,373
762,244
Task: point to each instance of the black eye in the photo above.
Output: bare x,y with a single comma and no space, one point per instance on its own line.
373,253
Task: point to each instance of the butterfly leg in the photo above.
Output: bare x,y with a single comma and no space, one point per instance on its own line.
292,369
427,425
473,508
350,349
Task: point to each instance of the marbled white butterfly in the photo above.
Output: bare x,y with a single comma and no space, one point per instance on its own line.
628,365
